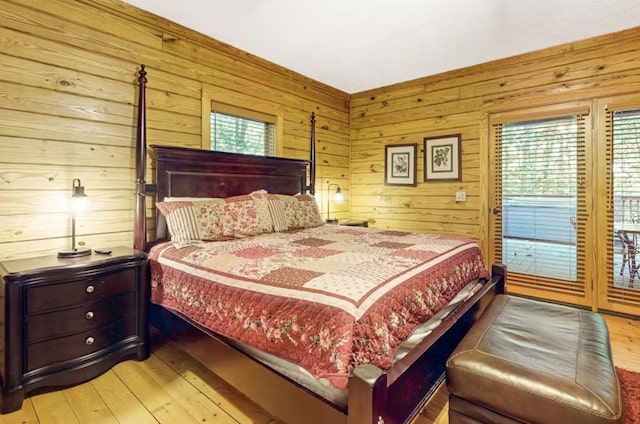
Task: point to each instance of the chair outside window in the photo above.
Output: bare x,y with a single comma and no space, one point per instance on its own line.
631,210
629,253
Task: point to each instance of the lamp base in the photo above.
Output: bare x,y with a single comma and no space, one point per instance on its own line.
74,253
332,221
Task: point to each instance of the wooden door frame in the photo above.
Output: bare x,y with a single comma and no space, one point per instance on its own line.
517,112
614,102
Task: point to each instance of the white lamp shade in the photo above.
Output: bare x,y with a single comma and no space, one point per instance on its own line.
78,204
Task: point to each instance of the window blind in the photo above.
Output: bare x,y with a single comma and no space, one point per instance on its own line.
539,198
622,149
238,130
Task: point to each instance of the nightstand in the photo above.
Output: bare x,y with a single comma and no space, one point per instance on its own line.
354,222
68,320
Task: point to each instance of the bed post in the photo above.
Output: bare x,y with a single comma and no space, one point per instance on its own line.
312,156
367,395
140,235
499,271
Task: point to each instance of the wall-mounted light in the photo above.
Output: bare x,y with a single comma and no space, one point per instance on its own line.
78,204
337,198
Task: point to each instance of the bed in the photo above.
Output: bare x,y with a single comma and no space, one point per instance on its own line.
389,387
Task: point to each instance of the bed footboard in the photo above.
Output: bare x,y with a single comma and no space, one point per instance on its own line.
375,396
397,396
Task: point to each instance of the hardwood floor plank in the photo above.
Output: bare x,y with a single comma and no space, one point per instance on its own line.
201,408
25,415
123,404
53,408
212,386
151,395
436,409
88,406
172,387
624,333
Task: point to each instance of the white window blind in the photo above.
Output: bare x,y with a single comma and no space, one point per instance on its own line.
238,130
622,135
541,204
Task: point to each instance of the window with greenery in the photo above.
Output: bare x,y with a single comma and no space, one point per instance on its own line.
622,143
540,194
238,130
626,161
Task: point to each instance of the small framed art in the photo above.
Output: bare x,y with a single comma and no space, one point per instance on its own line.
442,158
400,164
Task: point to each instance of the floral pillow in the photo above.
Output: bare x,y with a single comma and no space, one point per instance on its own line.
213,223
308,212
250,213
215,219
293,212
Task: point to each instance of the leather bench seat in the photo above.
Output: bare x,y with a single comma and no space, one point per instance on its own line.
527,361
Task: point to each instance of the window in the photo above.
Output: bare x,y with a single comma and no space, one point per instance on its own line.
238,122
238,130
540,211
576,162
622,149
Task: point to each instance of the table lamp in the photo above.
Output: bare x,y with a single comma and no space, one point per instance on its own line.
78,204
338,198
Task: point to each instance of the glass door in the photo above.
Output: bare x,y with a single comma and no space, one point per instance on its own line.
540,201
619,203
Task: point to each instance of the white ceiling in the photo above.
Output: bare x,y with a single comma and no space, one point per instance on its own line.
356,45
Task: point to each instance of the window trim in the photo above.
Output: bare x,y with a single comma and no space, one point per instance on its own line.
609,297
228,101
494,117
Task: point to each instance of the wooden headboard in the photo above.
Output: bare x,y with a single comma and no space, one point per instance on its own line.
184,172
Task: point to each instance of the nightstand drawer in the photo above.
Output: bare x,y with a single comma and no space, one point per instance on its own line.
55,324
77,345
63,295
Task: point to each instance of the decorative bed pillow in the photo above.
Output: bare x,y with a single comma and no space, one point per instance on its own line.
278,214
290,206
216,219
181,222
293,212
188,199
308,212
250,213
213,223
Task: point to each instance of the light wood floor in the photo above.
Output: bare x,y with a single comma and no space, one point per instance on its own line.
172,388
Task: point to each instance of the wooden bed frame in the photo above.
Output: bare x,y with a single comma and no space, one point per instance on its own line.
374,396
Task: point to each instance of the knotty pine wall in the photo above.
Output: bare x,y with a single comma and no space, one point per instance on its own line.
68,88
458,102
68,91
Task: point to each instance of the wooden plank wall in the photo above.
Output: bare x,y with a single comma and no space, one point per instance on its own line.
68,72
457,102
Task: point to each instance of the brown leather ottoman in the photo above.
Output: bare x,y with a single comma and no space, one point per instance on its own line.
527,361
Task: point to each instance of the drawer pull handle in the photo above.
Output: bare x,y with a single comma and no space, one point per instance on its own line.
89,315
90,289
89,340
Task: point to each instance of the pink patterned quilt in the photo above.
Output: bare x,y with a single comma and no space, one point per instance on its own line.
327,298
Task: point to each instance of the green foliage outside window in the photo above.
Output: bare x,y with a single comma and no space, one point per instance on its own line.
540,157
235,134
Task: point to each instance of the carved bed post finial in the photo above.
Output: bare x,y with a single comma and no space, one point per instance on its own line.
312,158
140,234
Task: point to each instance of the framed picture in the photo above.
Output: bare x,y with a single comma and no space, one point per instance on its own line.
400,164
442,158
